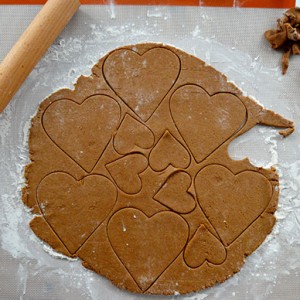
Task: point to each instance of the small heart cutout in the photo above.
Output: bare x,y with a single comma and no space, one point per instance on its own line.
169,151
155,241
205,122
142,81
126,172
82,131
231,202
65,202
131,134
204,246
174,193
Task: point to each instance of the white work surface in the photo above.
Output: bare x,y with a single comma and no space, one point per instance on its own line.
231,40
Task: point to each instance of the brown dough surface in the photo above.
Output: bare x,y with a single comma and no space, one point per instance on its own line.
130,172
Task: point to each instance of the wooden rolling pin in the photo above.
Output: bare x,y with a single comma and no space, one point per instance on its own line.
32,45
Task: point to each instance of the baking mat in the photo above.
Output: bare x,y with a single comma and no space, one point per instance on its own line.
230,39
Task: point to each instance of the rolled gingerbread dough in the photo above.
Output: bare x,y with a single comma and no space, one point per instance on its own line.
130,172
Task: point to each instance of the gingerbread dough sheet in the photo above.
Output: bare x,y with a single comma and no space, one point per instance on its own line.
130,172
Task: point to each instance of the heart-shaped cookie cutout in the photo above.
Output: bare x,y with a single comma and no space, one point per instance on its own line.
66,202
174,193
204,246
142,81
205,122
132,134
147,246
169,152
231,202
126,171
82,131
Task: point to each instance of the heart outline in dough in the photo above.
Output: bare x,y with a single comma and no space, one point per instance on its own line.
130,229
68,125
158,67
126,172
204,246
63,202
132,133
169,152
192,108
230,201
174,193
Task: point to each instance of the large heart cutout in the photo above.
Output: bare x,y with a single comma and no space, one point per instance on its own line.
169,151
82,131
206,122
147,246
131,134
66,202
232,202
126,171
142,81
174,193
204,246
